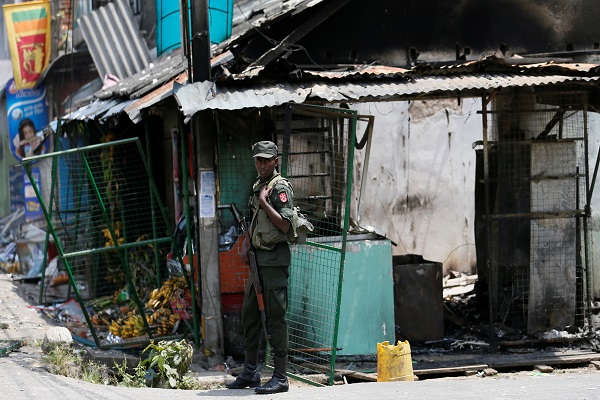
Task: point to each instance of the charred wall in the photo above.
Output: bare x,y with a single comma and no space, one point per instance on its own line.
439,30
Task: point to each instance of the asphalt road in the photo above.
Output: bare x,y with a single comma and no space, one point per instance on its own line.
23,379
22,376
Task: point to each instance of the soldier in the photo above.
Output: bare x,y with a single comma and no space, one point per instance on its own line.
272,203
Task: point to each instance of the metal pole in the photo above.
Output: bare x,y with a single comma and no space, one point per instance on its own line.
351,117
204,136
488,221
188,227
200,42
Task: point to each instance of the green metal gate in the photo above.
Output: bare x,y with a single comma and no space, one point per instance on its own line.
105,216
317,157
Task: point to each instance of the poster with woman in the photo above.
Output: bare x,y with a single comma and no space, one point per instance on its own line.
27,116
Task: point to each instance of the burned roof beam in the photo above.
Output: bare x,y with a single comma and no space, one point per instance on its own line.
328,10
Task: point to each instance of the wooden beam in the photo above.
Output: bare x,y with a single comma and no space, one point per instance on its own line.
328,10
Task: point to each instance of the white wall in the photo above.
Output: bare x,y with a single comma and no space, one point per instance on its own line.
420,186
420,183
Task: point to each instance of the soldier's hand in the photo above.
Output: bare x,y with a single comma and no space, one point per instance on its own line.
264,195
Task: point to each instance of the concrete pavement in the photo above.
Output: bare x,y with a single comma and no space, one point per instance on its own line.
22,376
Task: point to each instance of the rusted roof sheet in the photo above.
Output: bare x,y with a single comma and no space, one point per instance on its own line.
134,108
208,95
117,109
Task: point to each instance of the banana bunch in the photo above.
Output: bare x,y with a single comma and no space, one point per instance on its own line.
164,320
12,267
161,298
129,326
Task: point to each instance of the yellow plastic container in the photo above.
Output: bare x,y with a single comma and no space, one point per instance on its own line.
394,363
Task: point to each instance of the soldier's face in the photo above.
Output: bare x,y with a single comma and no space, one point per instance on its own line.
265,166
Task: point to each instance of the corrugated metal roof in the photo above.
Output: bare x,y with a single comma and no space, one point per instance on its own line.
134,108
488,64
93,110
376,71
114,40
116,109
152,76
207,95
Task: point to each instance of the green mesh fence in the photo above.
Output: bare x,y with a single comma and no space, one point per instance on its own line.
316,154
318,148
109,227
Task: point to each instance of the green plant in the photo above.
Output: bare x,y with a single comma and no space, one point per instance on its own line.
93,372
169,360
61,361
137,379
64,360
166,367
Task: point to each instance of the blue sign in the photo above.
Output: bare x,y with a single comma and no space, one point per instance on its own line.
27,116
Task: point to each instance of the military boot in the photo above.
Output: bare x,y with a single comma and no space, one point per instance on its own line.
250,376
279,381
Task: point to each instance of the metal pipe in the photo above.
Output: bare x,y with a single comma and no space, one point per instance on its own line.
188,228
488,220
351,116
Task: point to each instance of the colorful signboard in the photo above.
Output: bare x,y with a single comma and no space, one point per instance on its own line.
27,116
28,32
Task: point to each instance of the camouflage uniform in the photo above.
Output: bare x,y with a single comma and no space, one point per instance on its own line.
273,260
273,268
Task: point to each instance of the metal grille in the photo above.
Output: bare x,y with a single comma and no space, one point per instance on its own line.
109,227
318,148
537,181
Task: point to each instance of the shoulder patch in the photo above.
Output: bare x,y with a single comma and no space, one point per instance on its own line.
283,197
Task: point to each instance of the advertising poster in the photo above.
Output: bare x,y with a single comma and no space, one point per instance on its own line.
28,33
27,116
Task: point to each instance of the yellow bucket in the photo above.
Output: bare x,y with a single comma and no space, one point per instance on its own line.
394,363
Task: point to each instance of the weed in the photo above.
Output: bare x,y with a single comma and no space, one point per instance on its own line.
61,361
137,379
166,367
93,372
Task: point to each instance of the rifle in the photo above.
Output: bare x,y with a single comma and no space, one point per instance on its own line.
258,290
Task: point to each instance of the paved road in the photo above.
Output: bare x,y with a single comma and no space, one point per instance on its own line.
22,377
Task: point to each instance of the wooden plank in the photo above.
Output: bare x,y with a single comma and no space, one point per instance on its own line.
450,370
372,377
552,360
